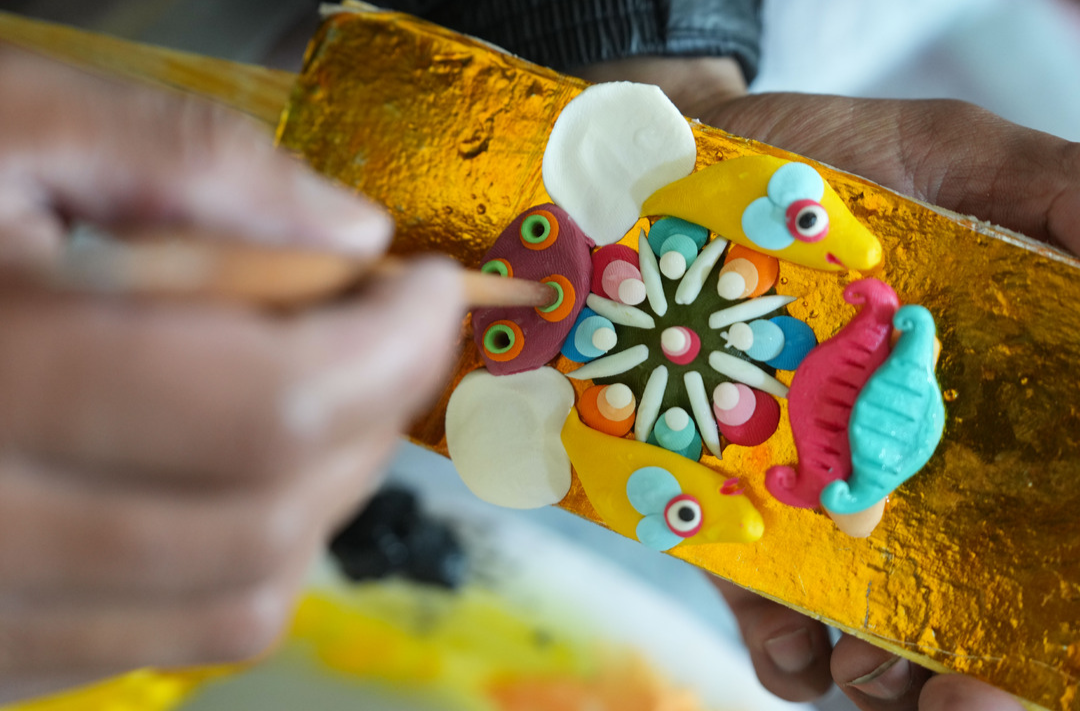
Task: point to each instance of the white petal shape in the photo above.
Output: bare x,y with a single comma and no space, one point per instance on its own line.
613,146
622,314
651,399
650,274
504,433
748,310
699,405
614,364
748,373
694,280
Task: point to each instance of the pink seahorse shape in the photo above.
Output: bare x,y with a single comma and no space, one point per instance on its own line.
823,391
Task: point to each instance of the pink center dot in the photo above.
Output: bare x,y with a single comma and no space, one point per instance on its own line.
680,344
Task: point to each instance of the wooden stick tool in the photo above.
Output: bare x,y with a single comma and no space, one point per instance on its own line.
180,267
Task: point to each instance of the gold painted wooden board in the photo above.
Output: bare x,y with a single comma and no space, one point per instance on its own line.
976,567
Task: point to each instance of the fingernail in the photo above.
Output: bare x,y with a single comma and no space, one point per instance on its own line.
792,652
889,681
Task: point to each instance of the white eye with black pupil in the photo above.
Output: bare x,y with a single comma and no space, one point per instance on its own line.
683,515
807,220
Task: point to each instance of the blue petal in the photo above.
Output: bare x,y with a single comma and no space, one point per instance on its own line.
795,181
583,334
654,533
765,225
768,340
568,348
650,489
799,340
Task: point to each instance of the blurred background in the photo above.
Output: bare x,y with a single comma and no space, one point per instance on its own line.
1018,58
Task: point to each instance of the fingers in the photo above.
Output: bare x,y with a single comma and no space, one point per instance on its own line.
222,395
79,146
79,541
945,152
109,638
790,652
874,679
960,693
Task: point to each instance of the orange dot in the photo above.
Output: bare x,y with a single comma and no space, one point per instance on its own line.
589,408
768,267
503,341
565,305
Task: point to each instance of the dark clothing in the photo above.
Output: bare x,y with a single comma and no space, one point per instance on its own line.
564,34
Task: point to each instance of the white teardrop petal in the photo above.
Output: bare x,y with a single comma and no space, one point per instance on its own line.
692,284
748,310
748,373
621,314
614,364
651,399
699,405
650,274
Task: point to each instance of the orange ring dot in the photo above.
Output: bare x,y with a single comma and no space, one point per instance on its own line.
563,307
498,266
539,230
503,341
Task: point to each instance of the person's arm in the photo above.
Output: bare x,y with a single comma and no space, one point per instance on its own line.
572,35
168,470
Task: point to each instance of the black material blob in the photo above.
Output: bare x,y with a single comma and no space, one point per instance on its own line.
392,536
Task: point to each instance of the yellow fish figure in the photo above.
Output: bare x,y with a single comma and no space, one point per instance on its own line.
657,496
774,206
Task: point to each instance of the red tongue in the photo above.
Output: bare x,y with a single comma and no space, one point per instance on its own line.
832,259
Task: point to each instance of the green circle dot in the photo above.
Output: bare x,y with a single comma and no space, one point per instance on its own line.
495,266
535,229
558,298
499,339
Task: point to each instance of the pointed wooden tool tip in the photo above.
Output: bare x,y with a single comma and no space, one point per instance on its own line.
494,290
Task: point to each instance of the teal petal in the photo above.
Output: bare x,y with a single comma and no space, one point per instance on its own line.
650,489
654,533
681,244
765,225
795,181
671,226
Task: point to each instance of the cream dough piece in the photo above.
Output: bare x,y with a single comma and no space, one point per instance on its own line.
503,433
612,147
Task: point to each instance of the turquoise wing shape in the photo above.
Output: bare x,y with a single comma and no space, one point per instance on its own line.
897,421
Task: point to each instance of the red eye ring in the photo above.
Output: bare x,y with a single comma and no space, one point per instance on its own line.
807,221
675,512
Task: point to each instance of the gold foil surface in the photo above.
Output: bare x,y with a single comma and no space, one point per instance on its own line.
976,566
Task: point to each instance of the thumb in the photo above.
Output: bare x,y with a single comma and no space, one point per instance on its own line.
945,152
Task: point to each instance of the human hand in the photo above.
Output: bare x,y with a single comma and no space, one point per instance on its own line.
944,152
167,470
